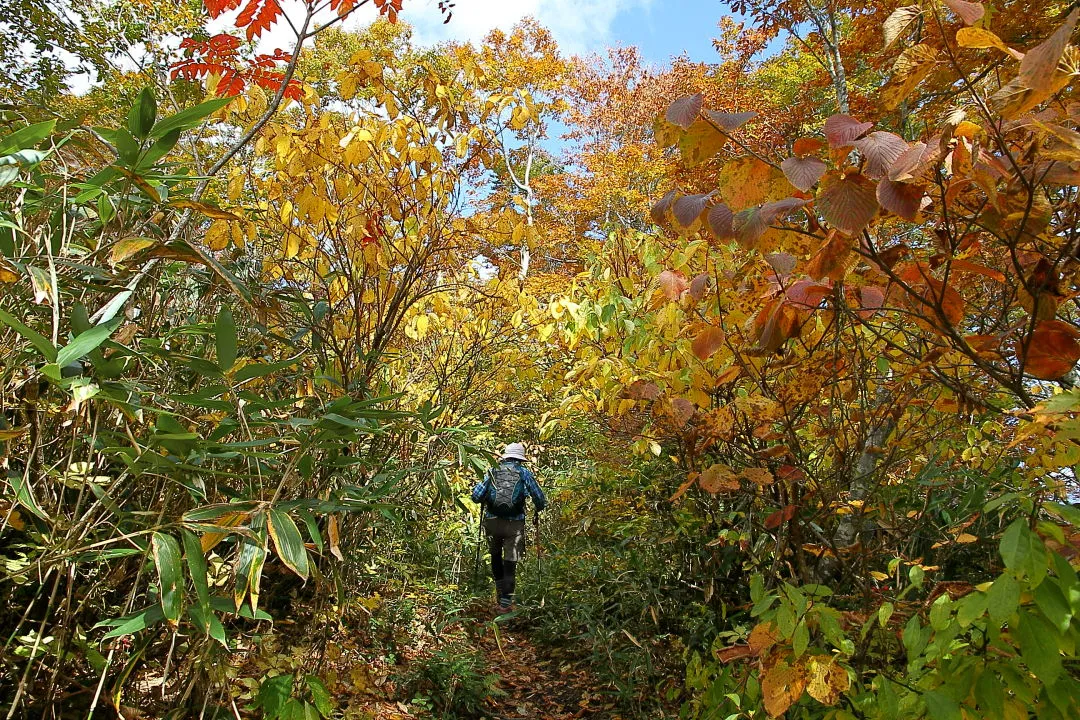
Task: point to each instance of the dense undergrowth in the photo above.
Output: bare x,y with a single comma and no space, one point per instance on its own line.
807,422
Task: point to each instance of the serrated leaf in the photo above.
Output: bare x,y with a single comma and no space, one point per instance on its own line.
969,12
843,130
847,202
880,149
899,21
684,111
803,172
1037,69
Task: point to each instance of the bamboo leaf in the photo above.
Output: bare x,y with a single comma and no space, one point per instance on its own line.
170,575
287,541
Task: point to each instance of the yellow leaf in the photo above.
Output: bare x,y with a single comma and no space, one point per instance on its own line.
8,272
217,236
826,679
127,247
974,37
966,538
782,685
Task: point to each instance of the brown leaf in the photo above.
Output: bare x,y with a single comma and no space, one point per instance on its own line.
782,263
684,111
807,146
763,636
803,173
690,480
913,66
1052,350
847,202
682,410
720,220
775,324
758,476
872,299
642,390
734,652
707,342
688,209
830,259
1039,65
969,12
728,375
843,130
900,19
730,122
673,284
881,149
899,198
659,211
699,285
781,685
209,211
718,478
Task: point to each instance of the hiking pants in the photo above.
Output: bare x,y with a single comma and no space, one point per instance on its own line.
506,543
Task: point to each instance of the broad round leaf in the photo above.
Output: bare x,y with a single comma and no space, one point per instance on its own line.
688,209
847,202
673,284
707,342
720,221
701,143
748,181
843,130
900,198
969,12
1037,69
881,149
660,209
1053,350
684,111
730,122
803,172
718,478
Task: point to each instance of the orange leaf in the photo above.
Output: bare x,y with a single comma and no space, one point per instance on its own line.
673,284
1052,350
642,390
774,520
782,685
727,375
707,342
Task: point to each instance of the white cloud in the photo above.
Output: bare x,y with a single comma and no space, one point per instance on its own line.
578,25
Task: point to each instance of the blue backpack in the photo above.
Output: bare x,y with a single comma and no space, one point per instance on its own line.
506,490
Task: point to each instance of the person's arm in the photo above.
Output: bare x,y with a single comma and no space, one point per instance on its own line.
479,492
531,487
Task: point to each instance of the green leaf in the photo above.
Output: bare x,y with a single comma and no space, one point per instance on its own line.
143,113
1053,604
312,527
990,694
249,564
971,607
131,624
1024,552
1003,598
170,575
940,706
158,150
44,346
25,495
941,612
320,695
196,564
187,119
85,342
800,640
274,693
26,137
289,544
1039,647
255,370
225,337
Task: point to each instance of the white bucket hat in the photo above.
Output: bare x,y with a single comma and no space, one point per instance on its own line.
514,451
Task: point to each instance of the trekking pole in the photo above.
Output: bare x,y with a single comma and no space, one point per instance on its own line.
536,526
479,534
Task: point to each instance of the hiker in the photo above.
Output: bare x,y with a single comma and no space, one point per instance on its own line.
502,494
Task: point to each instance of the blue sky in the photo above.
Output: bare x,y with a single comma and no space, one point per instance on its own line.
661,28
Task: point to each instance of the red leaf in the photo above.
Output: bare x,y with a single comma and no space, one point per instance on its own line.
684,111
881,149
688,209
257,16
673,284
720,221
807,293
969,12
1052,350
707,342
847,202
730,122
843,130
900,198
216,7
803,173
872,299
780,516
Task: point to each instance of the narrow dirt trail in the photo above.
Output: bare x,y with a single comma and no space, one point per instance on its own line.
534,683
